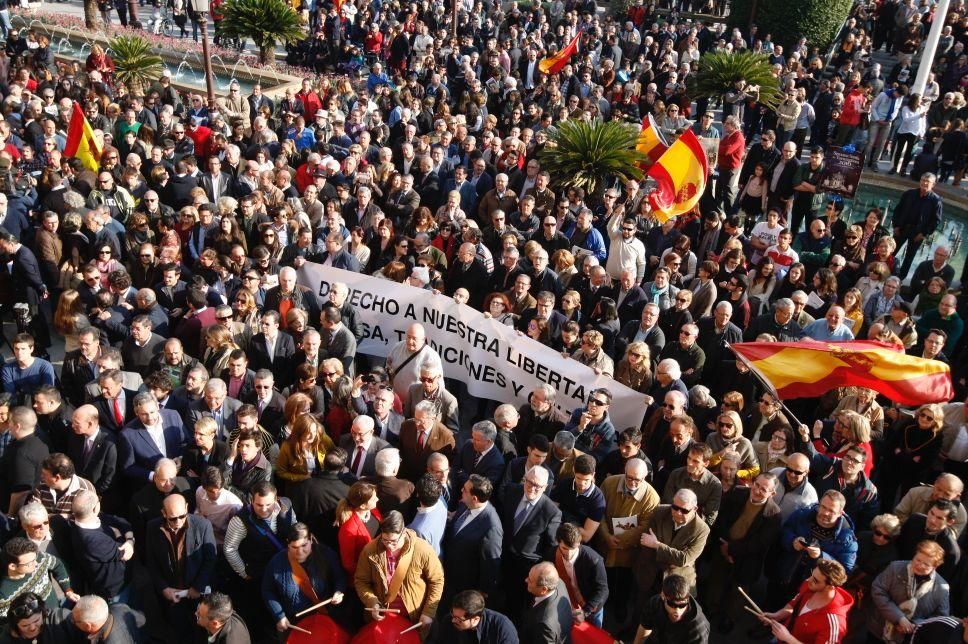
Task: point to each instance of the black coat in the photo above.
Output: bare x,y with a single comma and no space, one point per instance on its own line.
536,536
101,466
748,553
200,555
550,621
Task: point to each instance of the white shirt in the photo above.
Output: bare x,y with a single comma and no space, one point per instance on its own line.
470,516
157,434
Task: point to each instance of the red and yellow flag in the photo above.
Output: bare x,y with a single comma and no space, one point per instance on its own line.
809,368
556,63
651,143
681,174
81,142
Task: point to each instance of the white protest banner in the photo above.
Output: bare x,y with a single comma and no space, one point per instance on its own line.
492,359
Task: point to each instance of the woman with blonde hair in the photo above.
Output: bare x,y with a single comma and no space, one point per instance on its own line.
563,261
634,370
910,453
358,521
219,343
301,454
297,404
864,401
853,305
728,437
246,311
850,429
69,318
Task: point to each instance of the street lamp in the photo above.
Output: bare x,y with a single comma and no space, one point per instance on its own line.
202,8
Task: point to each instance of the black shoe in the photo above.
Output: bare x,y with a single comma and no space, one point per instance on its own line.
725,625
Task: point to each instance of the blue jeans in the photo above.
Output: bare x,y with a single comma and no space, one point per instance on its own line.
596,618
5,24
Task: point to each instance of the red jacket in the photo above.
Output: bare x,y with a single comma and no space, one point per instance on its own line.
353,537
202,136
311,104
732,148
827,625
853,104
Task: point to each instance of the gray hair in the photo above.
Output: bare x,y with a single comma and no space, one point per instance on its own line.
505,412
784,304
165,462
91,609
548,391
565,440
671,366
427,407
387,462
486,429
894,279
687,496
216,384
32,510
725,306
142,399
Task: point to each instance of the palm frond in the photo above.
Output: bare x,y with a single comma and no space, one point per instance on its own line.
586,154
266,22
134,62
719,71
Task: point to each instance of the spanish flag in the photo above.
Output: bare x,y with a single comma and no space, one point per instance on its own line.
556,63
681,174
651,143
809,369
81,142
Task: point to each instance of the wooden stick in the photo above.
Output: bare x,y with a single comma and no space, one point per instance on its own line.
387,610
757,614
312,608
750,600
301,630
412,628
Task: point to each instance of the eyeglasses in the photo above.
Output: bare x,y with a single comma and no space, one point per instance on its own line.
925,415
882,535
672,604
680,509
37,526
427,380
637,355
855,461
329,374
722,424
104,252
465,618
683,300
628,230
597,402
30,607
176,519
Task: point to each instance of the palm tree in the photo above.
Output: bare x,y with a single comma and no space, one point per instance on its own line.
135,64
588,154
91,15
719,71
266,22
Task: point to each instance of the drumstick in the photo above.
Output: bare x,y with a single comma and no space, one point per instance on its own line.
386,610
757,614
301,630
412,628
750,600
312,608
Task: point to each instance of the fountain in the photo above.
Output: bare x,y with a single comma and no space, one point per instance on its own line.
64,45
80,52
179,72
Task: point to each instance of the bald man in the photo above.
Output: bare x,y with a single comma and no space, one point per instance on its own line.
91,449
180,554
548,619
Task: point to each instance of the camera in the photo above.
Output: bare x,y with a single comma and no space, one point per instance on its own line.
22,316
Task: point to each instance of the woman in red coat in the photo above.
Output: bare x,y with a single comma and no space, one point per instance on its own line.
358,521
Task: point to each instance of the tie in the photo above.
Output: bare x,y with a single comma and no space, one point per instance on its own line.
422,440
521,516
218,420
262,407
118,414
459,523
86,455
358,459
477,459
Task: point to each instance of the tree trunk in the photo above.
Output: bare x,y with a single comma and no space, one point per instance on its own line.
267,54
92,16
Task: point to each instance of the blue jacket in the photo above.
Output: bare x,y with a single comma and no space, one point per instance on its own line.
280,592
842,547
597,439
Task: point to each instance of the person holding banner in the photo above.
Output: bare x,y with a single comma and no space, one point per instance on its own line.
408,357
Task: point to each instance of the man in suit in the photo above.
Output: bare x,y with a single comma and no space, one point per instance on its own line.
531,521
215,183
628,297
271,349
478,455
544,309
221,623
674,541
28,287
217,405
716,332
401,205
337,340
155,434
393,493
362,446
239,379
583,572
186,568
80,366
337,256
704,290
172,291
549,619
141,345
468,272
431,388
421,436
93,452
293,295
459,183
114,404
388,424
473,544
269,404
427,184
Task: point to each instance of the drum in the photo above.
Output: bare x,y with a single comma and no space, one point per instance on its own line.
587,633
323,629
387,631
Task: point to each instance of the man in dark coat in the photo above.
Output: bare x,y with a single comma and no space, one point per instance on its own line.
222,624
550,619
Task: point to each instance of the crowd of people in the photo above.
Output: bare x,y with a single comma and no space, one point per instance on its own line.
213,455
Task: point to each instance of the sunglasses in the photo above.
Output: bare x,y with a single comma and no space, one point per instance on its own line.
797,473
597,402
882,535
680,509
673,604
722,424
176,519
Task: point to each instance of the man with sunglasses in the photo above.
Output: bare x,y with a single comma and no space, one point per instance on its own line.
794,490
672,616
595,434
846,475
675,539
180,554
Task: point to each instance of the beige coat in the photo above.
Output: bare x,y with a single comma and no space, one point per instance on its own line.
418,580
618,504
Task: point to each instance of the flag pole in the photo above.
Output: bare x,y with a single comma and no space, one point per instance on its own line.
766,383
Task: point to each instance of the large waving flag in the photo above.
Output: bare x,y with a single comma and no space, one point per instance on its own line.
681,174
809,368
81,142
556,63
651,143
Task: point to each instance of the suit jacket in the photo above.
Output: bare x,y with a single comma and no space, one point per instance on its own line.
591,578
369,457
490,467
196,568
226,186
655,338
172,298
105,410
279,362
199,409
750,551
677,551
446,402
394,494
631,307
101,465
550,621
129,381
75,374
714,344
272,416
703,298
414,458
340,345
536,536
472,556
138,453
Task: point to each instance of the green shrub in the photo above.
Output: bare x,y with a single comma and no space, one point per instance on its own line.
789,20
